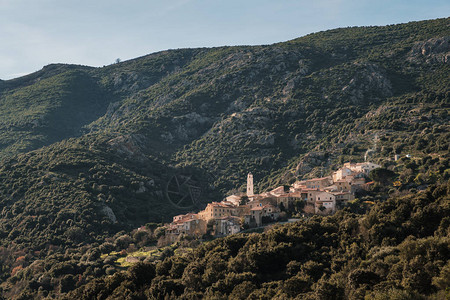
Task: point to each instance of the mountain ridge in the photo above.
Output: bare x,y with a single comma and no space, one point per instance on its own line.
87,155
283,111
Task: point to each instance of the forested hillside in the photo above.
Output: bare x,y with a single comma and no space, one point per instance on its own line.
89,154
398,250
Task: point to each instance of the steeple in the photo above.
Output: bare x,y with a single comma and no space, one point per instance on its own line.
250,185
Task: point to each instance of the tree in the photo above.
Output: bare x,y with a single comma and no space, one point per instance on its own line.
299,205
210,226
244,200
381,175
141,273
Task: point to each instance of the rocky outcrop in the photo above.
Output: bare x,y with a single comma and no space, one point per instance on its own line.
107,211
128,145
186,127
369,83
435,50
309,162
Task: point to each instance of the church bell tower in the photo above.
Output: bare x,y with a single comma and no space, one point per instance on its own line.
250,185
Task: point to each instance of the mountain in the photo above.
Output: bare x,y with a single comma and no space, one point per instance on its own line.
281,111
88,152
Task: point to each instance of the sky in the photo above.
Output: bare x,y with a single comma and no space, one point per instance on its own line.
35,33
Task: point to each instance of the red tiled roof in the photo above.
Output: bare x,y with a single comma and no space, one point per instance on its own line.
285,195
257,208
228,218
221,204
321,178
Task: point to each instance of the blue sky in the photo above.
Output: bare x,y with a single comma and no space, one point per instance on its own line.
34,33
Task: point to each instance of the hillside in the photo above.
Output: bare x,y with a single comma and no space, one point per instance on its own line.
398,250
86,153
301,106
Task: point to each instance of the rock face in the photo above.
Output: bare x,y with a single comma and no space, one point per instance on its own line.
310,161
435,50
128,145
370,82
189,126
107,211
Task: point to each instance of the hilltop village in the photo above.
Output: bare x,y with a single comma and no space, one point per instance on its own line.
237,212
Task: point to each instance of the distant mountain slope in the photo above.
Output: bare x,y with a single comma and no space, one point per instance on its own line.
282,111
49,109
88,152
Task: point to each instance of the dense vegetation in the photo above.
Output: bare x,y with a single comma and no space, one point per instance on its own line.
50,255
400,249
89,154
228,110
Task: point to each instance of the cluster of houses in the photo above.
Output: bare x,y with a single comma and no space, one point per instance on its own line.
313,196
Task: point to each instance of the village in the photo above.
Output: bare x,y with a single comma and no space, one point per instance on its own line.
322,196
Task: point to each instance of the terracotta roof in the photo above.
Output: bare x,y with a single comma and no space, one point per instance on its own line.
228,218
227,203
268,205
221,204
257,208
285,195
300,185
325,192
321,178
296,194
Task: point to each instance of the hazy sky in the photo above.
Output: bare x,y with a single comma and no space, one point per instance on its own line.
34,33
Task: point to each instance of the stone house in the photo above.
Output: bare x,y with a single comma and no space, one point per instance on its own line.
364,167
341,174
227,225
187,224
343,185
257,213
325,203
278,191
309,195
287,200
256,216
316,183
325,207
217,210
343,196
234,199
263,201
